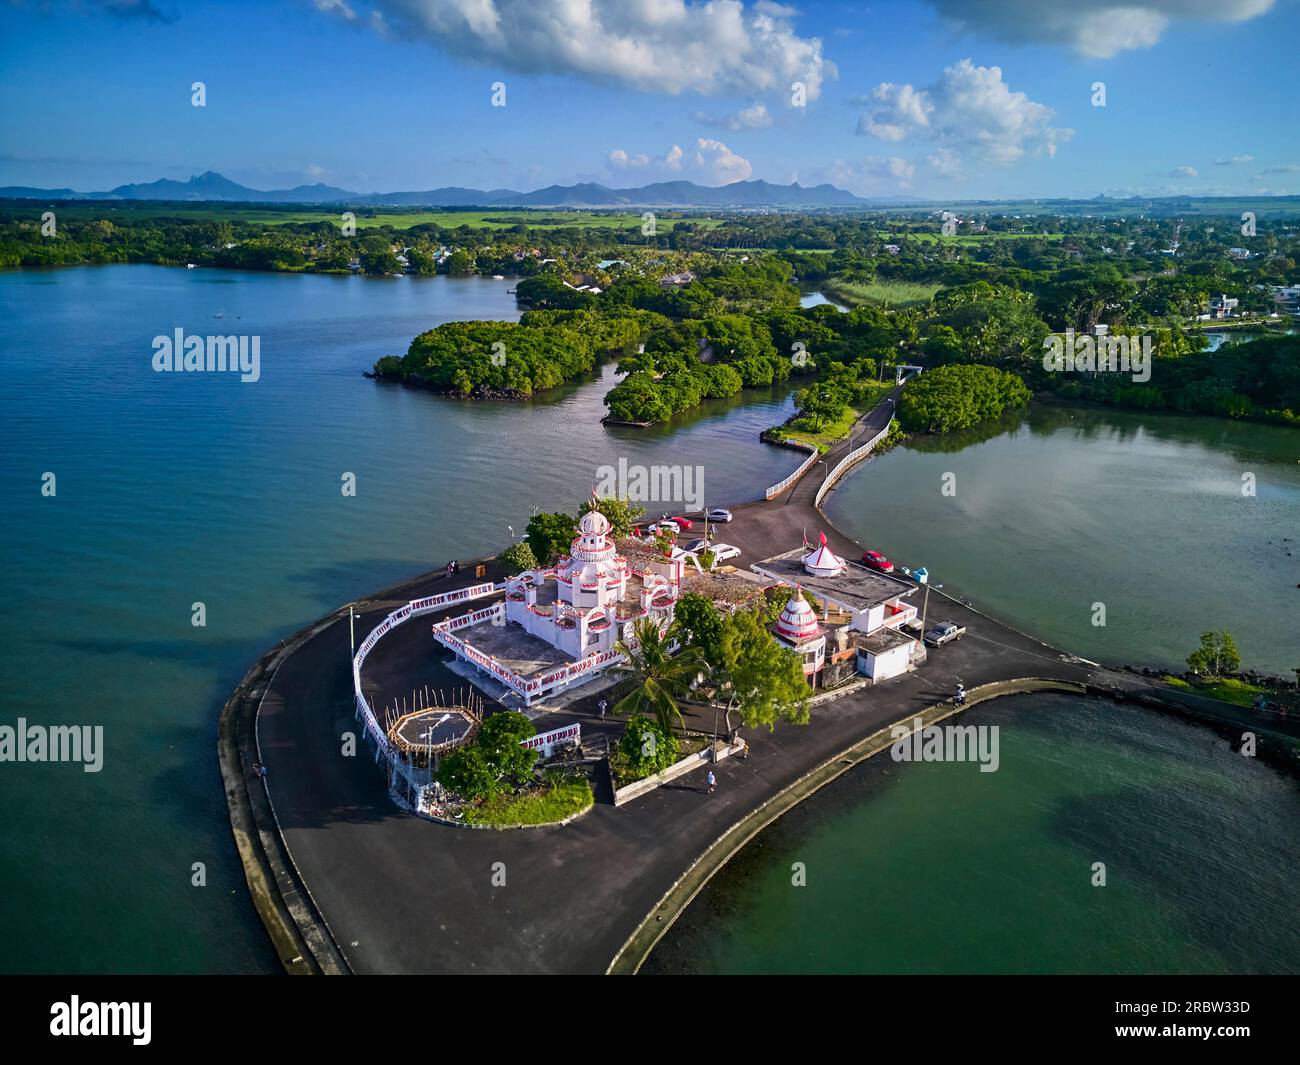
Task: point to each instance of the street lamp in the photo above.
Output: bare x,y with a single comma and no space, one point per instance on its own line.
925,606
352,633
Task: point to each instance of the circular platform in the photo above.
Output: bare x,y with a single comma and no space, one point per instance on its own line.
436,729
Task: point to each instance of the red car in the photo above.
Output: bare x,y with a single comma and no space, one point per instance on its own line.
876,561
684,523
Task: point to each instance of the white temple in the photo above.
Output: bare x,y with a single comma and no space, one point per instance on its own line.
589,600
798,629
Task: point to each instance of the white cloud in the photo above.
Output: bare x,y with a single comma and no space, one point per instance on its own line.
719,161
946,163
753,117
620,160
662,46
1287,168
1235,160
711,162
874,175
1183,172
1098,29
970,112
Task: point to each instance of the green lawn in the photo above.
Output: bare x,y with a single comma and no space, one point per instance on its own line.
367,217
830,433
542,805
1228,689
880,293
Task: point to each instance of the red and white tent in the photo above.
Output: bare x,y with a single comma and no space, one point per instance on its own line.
823,562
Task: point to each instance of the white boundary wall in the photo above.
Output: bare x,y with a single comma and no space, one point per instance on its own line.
781,486
856,455
414,608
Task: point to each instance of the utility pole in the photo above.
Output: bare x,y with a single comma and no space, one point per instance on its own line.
352,632
925,606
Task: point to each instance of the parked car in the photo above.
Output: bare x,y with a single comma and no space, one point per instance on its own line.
697,545
718,514
670,527
944,632
876,561
685,523
722,552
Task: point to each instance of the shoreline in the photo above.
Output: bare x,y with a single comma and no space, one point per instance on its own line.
310,923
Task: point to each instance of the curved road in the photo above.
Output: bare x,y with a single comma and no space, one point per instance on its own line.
404,895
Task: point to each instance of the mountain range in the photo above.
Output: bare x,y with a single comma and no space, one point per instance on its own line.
211,186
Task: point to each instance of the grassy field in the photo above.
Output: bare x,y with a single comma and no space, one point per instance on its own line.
880,293
1229,689
967,239
832,432
367,217
542,806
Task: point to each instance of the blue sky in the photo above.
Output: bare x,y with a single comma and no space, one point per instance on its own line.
935,98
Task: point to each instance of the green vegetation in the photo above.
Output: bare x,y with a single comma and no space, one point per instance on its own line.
544,349
1227,689
957,397
542,804
549,535
1260,379
881,293
518,557
495,762
659,677
750,674
645,749
1216,655
591,280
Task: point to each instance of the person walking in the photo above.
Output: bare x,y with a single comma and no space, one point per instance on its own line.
712,781
602,706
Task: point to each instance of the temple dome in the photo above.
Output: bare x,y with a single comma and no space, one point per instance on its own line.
798,621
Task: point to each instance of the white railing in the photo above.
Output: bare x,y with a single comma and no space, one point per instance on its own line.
527,689
856,455
414,608
781,486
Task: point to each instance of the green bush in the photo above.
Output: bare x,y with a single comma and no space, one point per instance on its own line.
518,557
646,748
959,396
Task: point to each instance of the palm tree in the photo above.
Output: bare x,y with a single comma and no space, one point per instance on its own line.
661,678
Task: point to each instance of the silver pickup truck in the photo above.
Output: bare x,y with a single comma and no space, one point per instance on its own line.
943,632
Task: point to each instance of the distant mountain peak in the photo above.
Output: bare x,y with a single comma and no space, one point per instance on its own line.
213,186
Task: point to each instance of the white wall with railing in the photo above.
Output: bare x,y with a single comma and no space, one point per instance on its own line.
416,607
781,486
856,455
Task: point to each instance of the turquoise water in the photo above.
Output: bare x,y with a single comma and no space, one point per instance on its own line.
174,489
939,868
1061,508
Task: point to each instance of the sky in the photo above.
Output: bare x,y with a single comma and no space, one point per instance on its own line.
956,99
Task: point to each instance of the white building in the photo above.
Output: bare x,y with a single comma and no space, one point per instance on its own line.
1222,306
589,600
797,628
557,627
859,606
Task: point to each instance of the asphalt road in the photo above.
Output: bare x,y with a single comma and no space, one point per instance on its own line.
404,895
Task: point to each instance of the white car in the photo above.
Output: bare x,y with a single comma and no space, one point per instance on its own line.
722,552
718,514
664,526
697,545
